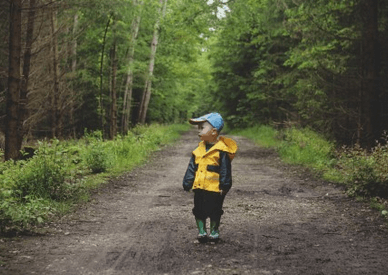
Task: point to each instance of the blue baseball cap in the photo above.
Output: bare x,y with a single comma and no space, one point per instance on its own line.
215,119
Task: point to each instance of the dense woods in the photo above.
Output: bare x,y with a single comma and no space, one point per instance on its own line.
67,66
320,64
89,83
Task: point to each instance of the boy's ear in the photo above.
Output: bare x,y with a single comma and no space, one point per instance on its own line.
214,132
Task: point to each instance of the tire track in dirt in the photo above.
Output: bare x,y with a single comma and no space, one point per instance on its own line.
278,220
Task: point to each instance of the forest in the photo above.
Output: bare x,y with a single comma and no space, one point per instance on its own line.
73,67
67,66
95,98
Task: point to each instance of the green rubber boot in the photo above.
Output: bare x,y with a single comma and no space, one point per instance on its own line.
214,231
202,235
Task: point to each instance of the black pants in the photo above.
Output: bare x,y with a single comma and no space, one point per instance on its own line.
208,205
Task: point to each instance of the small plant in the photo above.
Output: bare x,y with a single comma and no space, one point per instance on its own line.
44,175
365,172
96,158
33,211
95,155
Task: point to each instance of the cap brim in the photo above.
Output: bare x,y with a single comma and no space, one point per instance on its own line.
196,120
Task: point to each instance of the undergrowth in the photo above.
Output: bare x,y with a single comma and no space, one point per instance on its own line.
61,173
263,135
363,172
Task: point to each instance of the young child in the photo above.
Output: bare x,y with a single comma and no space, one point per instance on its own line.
209,173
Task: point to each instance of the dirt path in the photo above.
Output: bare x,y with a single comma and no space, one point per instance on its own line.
277,221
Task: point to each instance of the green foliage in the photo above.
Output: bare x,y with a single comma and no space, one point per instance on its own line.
366,173
248,57
298,61
263,135
95,153
43,176
296,146
22,215
31,190
60,173
305,147
180,79
183,80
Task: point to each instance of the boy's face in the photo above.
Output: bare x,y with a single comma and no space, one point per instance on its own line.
207,132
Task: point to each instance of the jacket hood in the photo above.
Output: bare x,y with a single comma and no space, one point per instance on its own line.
230,144
224,144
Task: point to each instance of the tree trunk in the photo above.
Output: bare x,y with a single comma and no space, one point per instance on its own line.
147,87
371,73
73,70
101,76
23,112
74,46
12,96
129,82
55,115
113,106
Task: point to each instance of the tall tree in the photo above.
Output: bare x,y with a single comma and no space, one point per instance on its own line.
101,106
371,72
127,101
113,92
12,96
147,86
23,111
56,122
73,57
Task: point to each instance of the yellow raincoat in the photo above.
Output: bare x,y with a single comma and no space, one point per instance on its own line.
207,175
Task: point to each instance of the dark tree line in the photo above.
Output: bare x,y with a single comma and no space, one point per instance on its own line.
321,64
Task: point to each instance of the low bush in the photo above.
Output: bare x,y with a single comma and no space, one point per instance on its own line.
365,172
43,176
61,173
22,215
95,153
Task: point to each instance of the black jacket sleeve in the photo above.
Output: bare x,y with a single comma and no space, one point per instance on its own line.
225,171
189,177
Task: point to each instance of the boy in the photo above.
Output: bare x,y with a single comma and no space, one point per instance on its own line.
209,173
